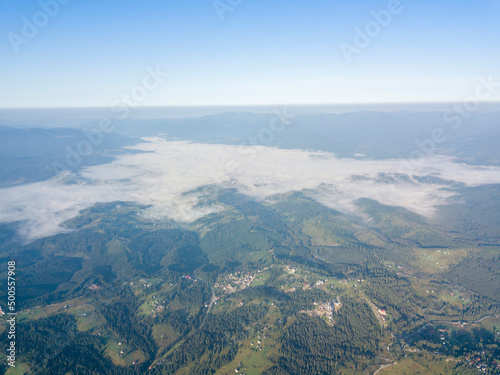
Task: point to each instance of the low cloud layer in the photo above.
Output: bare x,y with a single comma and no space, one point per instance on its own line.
165,176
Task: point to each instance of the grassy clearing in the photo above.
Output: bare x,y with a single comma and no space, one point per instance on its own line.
121,355
319,235
116,246
409,366
20,369
164,335
370,237
89,321
435,260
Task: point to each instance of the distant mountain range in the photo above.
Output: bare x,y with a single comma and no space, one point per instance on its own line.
378,135
30,155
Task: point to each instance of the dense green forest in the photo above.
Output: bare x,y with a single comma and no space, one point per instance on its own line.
282,287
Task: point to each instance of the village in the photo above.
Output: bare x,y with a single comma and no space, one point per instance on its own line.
234,282
324,310
477,362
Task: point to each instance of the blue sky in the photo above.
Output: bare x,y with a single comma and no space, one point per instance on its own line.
91,52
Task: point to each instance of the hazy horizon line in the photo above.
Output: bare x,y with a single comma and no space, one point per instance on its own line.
487,102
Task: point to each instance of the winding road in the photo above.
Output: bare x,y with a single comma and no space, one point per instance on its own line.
456,323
